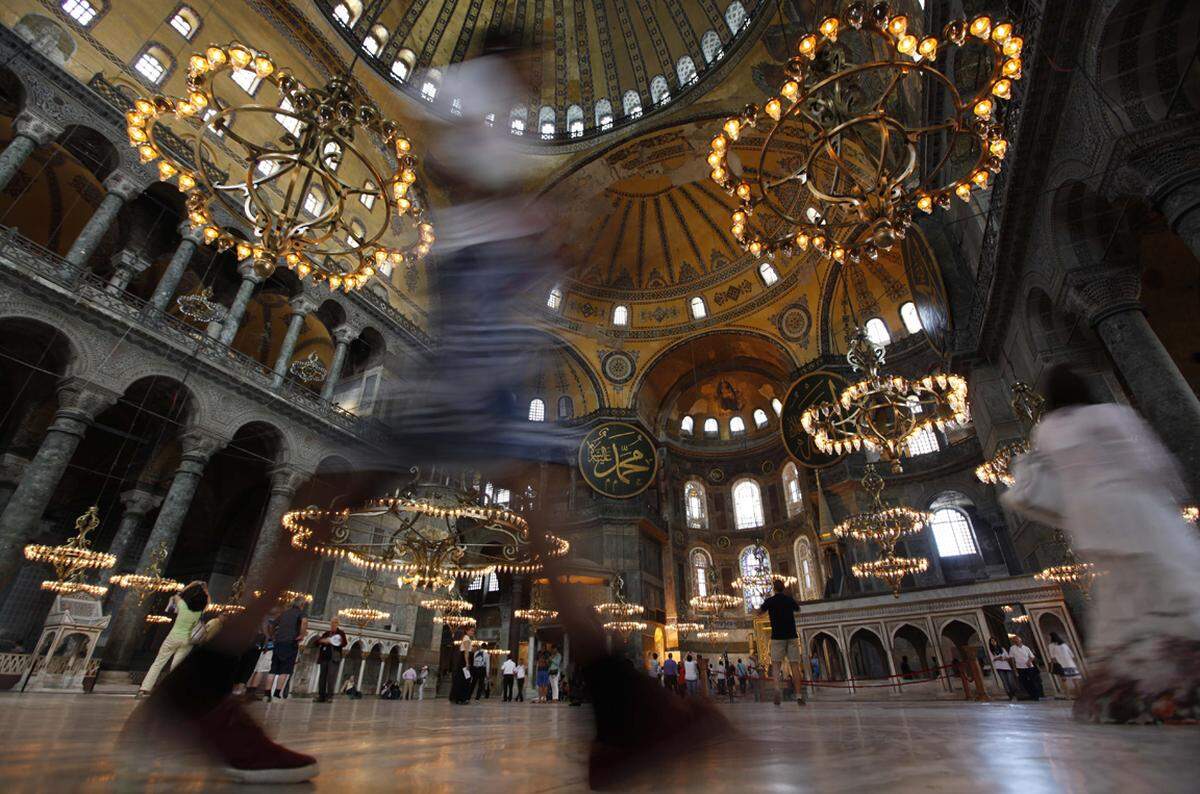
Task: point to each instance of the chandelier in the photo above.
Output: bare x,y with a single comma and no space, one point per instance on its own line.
1070,572
617,613
712,635
685,627
454,621
760,580
287,596
447,604
309,370
200,306
884,526
152,581
158,619
74,559
451,610
849,127
883,412
364,613
1191,514
624,627
431,536
1027,404
233,606
321,195
536,616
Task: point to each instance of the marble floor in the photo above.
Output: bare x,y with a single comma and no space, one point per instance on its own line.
66,743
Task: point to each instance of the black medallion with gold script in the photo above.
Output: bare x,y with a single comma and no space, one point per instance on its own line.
819,386
618,460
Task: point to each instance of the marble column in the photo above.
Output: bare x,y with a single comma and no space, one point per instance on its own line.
285,481
344,335
302,306
120,189
169,282
233,320
127,265
12,471
197,448
137,503
1179,202
1108,298
79,402
29,132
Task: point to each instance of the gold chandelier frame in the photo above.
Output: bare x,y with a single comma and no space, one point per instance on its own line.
884,525
74,559
1028,406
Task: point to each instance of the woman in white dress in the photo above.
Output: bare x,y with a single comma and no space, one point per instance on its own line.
1099,472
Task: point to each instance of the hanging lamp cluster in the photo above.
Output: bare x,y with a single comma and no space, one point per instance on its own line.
884,526
73,560
1027,405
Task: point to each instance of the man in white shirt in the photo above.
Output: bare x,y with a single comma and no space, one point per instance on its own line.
508,673
1023,659
521,681
479,671
410,679
421,678
691,674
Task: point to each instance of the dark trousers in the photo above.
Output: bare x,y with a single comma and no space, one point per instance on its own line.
1031,682
521,689
671,682
325,680
508,687
479,679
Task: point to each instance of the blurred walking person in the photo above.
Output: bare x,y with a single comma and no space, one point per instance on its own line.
188,606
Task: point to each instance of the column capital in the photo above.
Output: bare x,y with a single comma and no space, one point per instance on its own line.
122,185
197,446
1100,292
139,502
248,272
345,334
84,400
304,304
36,128
287,479
132,261
193,234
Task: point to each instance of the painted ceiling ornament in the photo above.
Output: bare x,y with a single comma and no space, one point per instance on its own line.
1027,405
795,322
618,460
618,366
884,526
321,197
73,560
855,186
883,412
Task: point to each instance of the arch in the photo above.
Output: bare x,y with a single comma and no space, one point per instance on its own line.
1089,231
877,331
185,21
374,41
403,65
808,577
754,562
828,651
910,318
698,308
909,640
566,407
554,299
737,426
348,12
768,273
695,504
687,426
736,17
575,121
760,418
951,526
516,120
91,149
685,70
711,47
954,635
47,37
84,13
631,102
660,91
711,428
154,64
747,504
537,410
604,115
868,656
547,123
620,315
793,495
700,570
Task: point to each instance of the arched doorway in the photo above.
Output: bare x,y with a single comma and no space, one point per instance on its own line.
911,644
829,657
868,657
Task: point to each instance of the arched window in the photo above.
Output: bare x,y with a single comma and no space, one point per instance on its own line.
287,120
813,215
547,125
792,496
516,121
554,299
735,17
952,531
575,121
877,331
456,106
685,426
910,317
701,565
632,104
83,12
357,232
537,410
347,12
566,408
699,310
925,440
314,202
399,70
248,79
153,64
747,504
695,506
768,273
660,92
760,418
186,22
332,155
604,115
754,562
710,427
777,406
429,90
620,315
367,197
685,70
373,42
806,569
710,45
737,426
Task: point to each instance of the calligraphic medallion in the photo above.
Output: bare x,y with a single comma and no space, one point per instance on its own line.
816,387
618,460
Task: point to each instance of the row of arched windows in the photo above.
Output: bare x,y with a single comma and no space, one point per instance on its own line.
537,409
747,500
878,331
737,425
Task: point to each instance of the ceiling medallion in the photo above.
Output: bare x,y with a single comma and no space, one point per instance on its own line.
859,156
1027,405
884,526
74,559
883,412
321,195
618,366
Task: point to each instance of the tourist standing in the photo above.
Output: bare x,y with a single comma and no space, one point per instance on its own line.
329,657
1065,669
289,630
421,678
1024,660
691,675
670,672
741,676
705,675
1002,665
508,673
460,677
409,677
479,671
816,667
188,606
785,649
520,673
655,667
555,670
542,679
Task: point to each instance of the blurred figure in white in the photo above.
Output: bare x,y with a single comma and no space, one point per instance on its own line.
1099,472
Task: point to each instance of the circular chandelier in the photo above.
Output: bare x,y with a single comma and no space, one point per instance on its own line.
536,615
850,130
231,607
883,412
1070,572
158,619
431,536
200,306
321,195
447,604
454,621
710,635
624,627
309,370
152,581
685,627
287,596
1027,404
713,603
74,559
364,613
619,607
884,526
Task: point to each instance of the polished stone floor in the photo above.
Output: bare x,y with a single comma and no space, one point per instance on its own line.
66,743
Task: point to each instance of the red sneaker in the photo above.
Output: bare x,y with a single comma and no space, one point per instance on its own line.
248,753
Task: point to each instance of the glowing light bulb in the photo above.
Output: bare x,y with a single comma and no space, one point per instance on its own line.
743,190
963,191
185,108
732,128
137,134
802,241
1012,68
211,233
215,55
240,56
928,48
144,107
244,251
1012,47
198,99
1003,88
790,90
197,64
980,178
263,66
998,147
715,159
925,204
808,45
186,182
898,25
829,27
718,143
1001,32
147,153
907,44
983,108
981,26
773,108
166,170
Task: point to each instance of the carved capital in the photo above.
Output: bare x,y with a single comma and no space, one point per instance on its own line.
191,233
198,446
1097,293
304,304
287,480
39,129
248,272
139,502
122,185
130,261
345,334
82,400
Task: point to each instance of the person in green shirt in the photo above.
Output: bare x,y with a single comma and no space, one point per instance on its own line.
188,606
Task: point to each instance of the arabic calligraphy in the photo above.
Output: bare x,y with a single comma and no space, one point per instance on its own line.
618,460
811,389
